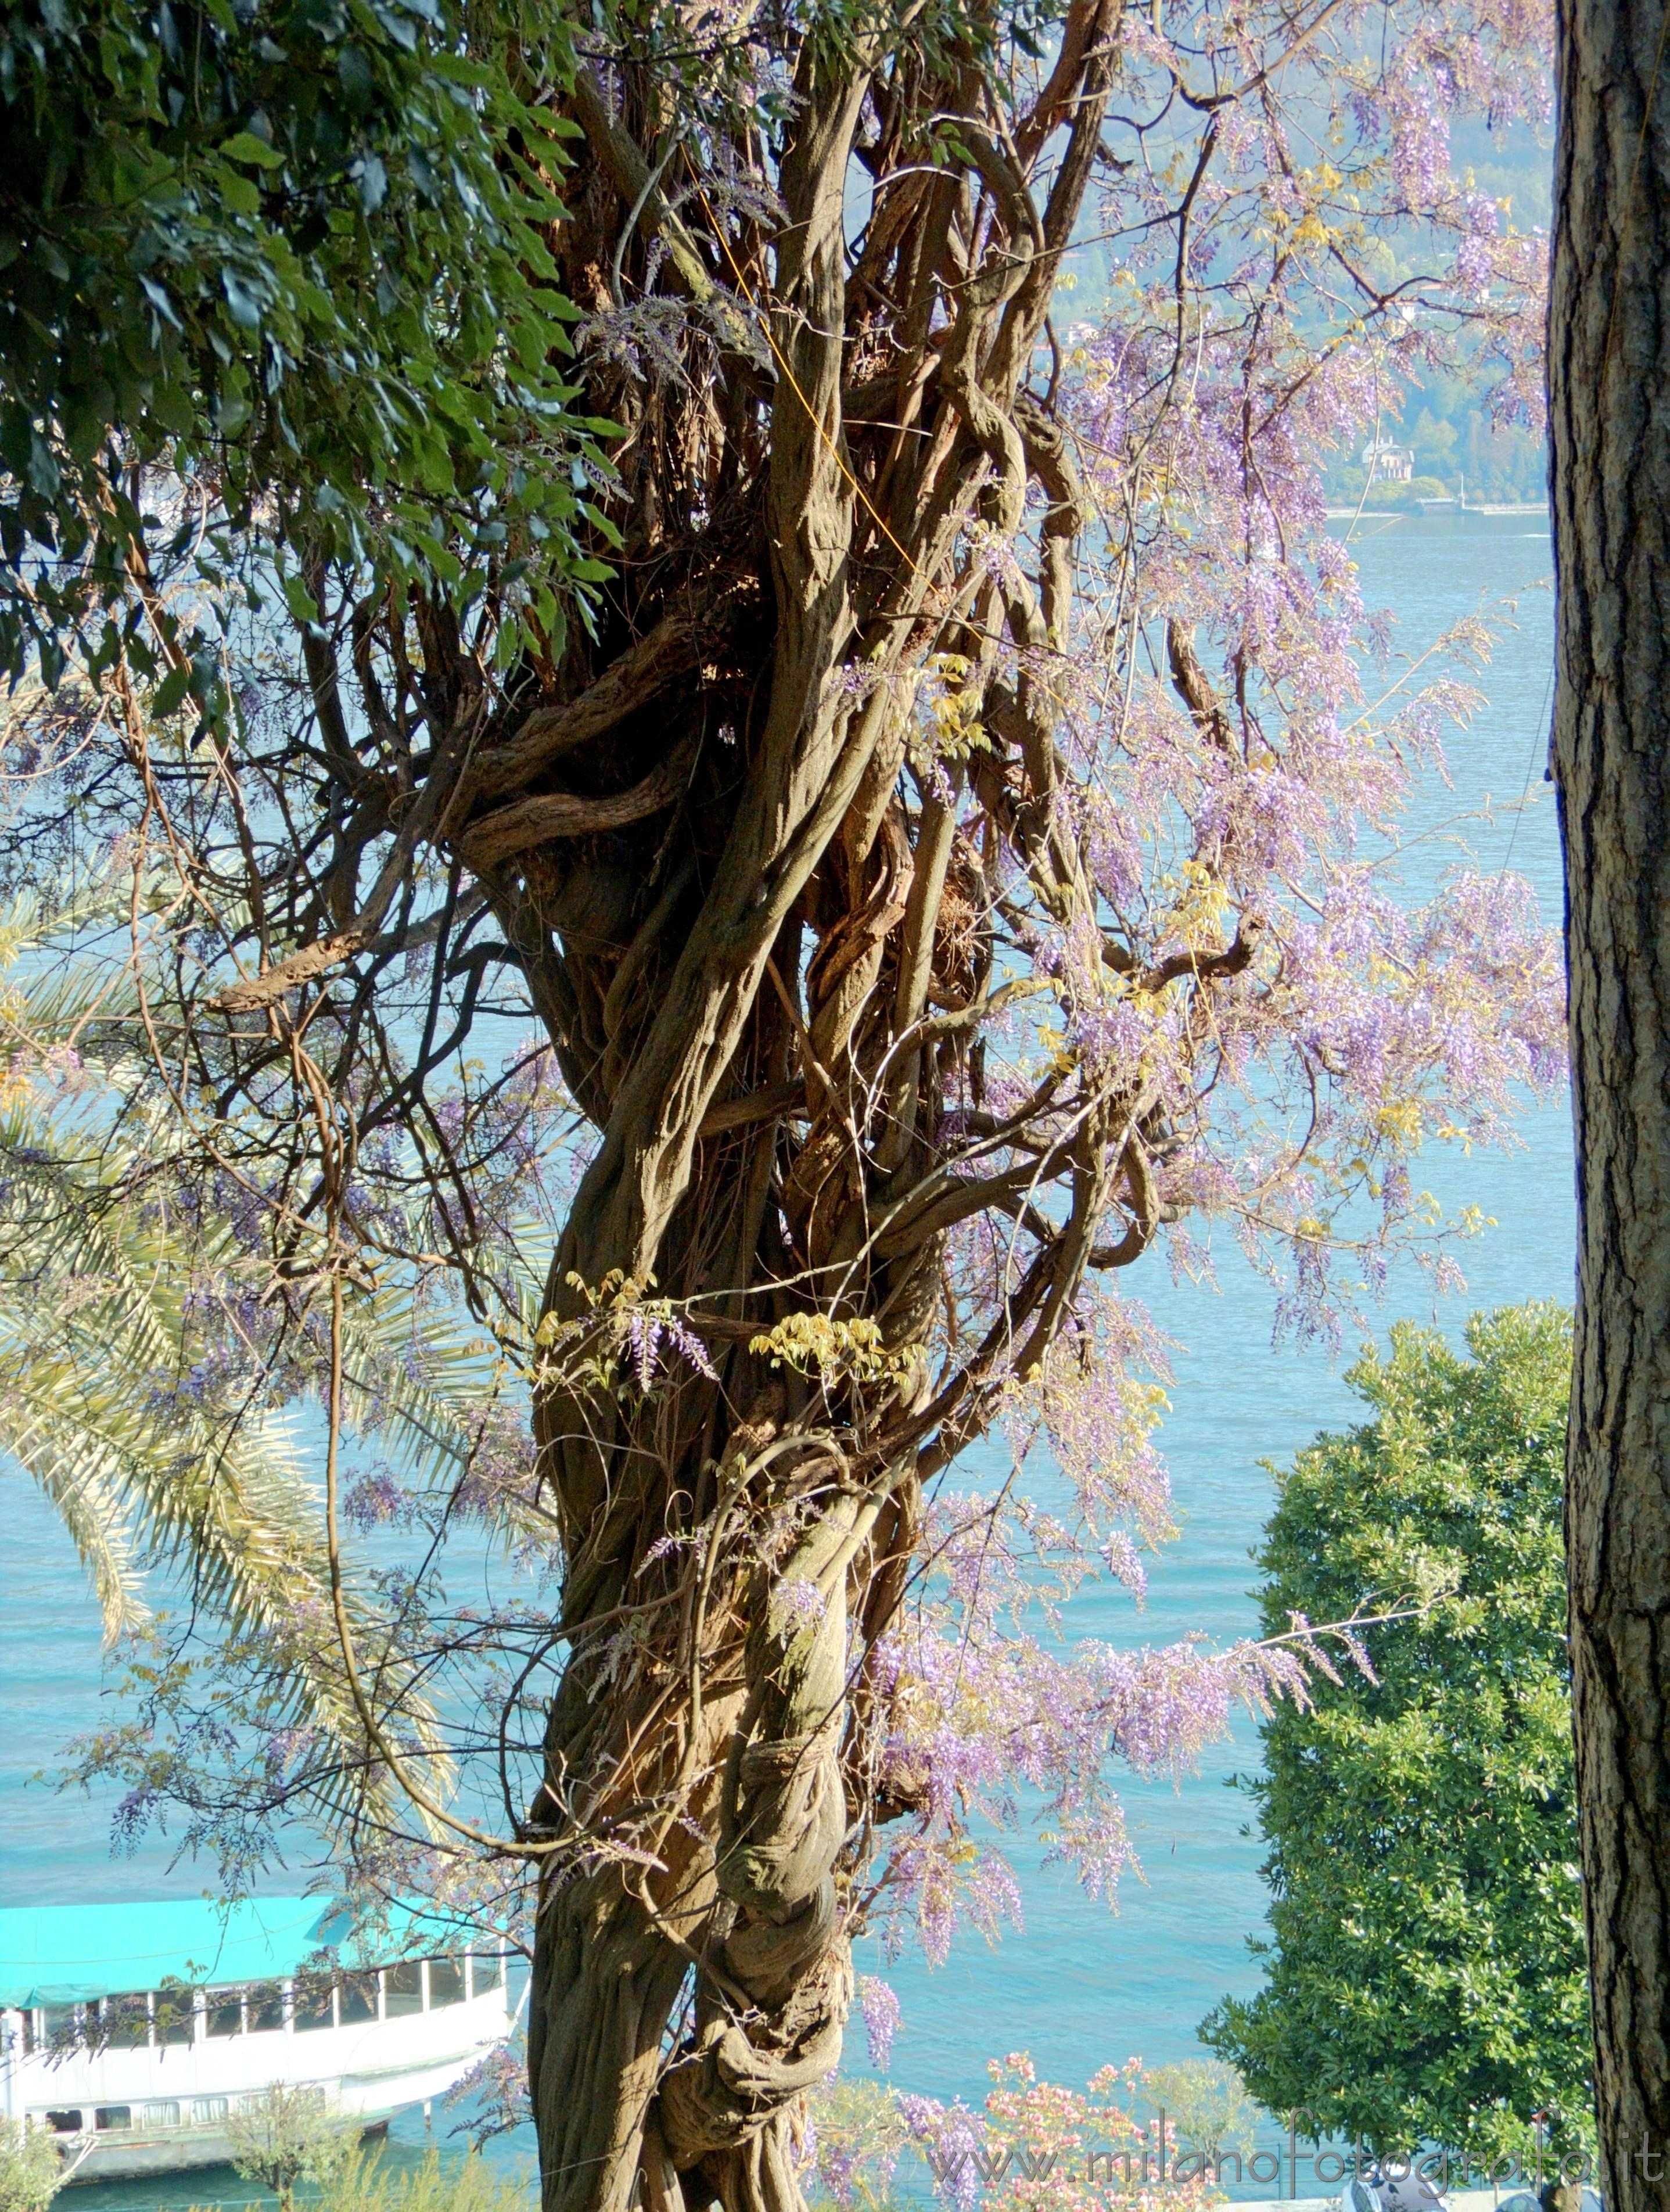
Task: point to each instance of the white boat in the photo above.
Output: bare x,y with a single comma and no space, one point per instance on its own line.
129,2034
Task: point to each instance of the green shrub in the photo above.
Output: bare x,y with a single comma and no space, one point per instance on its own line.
369,2181
1425,1972
31,2170
345,2173
1209,2104
287,2136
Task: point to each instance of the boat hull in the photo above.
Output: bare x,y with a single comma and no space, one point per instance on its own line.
118,2113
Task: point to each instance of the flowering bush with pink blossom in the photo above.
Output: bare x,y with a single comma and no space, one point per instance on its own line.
1036,2147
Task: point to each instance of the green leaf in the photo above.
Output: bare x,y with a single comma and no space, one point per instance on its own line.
238,194
171,691
245,146
355,74
298,600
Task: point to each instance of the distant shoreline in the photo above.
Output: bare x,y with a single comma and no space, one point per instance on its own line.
1441,511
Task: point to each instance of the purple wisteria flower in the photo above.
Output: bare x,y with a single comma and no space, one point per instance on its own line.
880,2008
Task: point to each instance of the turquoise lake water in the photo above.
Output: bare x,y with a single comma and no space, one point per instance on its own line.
1080,1986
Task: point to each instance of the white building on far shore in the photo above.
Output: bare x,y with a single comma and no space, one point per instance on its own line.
1387,463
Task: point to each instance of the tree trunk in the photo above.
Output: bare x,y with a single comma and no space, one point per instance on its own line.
688,1989
762,967
1609,388
605,1982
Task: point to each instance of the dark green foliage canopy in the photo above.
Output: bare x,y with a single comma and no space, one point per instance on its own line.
1425,1970
294,252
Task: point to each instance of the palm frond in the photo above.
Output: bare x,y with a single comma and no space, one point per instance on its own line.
100,1402
158,1383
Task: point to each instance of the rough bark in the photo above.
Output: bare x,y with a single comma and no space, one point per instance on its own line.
745,1705
1610,384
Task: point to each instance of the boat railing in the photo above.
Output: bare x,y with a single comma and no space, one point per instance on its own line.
176,2015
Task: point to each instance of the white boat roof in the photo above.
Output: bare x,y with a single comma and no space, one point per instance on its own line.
70,1953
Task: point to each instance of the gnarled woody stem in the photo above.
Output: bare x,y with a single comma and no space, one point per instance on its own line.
605,1980
734,1948
622,2121
725,2102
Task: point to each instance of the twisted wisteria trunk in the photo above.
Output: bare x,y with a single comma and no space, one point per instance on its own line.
724,1766
692,1975
767,2024
725,1890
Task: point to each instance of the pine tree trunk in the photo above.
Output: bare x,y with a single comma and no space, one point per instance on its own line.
1610,387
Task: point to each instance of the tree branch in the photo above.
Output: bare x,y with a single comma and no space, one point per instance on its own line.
514,830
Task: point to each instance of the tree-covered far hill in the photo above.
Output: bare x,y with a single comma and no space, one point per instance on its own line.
1424,1972
1448,419
1458,443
